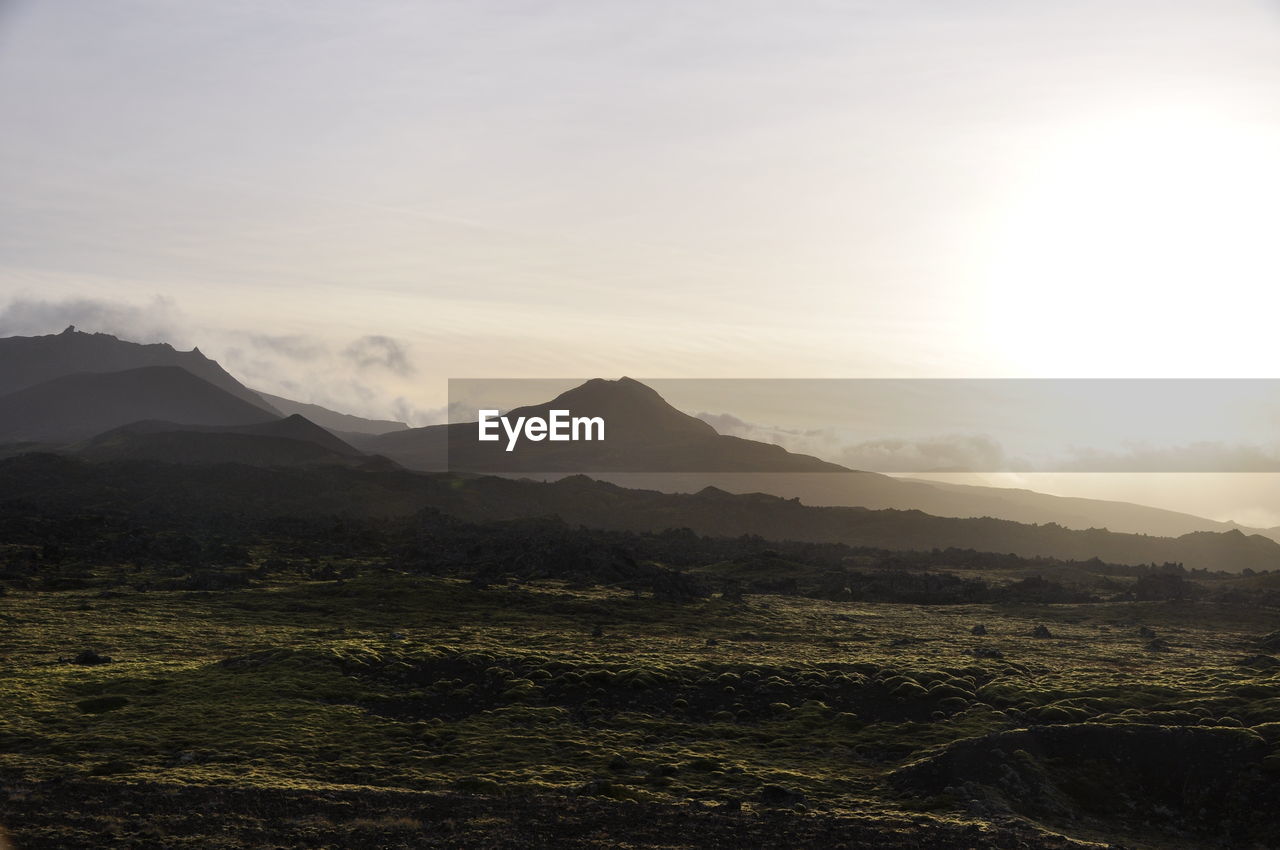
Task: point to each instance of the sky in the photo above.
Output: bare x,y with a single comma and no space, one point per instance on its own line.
351,202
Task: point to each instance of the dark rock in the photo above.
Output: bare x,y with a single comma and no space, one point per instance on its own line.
1041,631
978,630
1159,645
110,768
98,705
1147,633
1174,780
777,795
88,657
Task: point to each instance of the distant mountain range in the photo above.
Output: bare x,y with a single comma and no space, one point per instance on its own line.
137,487
652,445
114,402
879,492
109,399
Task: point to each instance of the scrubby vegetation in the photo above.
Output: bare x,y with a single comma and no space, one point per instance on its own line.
209,679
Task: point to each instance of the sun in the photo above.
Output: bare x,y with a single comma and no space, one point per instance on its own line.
1146,244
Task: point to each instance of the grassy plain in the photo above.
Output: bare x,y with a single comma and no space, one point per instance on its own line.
395,708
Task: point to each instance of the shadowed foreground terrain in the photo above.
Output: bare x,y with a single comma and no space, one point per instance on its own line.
212,680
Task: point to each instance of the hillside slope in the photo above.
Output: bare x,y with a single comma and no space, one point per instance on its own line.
878,492
75,407
331,419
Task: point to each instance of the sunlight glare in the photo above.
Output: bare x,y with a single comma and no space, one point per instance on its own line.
1143,246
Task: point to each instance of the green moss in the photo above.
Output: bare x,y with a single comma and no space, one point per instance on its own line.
299,684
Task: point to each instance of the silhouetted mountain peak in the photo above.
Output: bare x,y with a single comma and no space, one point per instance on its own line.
299,427
628,407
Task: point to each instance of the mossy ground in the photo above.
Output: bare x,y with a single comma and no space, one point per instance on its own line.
403,682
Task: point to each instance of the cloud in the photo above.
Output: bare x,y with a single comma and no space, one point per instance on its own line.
984,453
404,410
958,452
294,347
821,442
728,424
159,320
1203,456
376,351
955,453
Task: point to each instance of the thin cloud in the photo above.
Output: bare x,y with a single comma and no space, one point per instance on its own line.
376,351
1205,456
955,453
159,320
294,346
949,453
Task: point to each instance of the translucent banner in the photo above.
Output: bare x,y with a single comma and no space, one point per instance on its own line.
878,425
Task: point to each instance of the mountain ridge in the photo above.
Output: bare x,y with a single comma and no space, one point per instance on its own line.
70,483
28,361
636,413
332,420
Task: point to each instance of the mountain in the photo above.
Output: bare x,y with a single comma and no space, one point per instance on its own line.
643,433
292,441
26,361
76,407
1076,512
342,423
294,427
880,492
68,483
652,445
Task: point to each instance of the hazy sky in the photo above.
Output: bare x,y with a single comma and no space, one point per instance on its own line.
747,189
